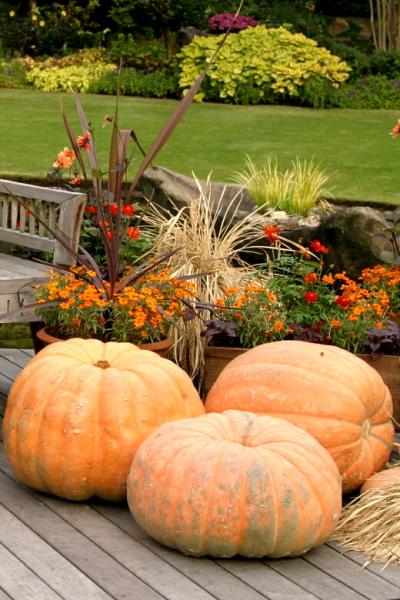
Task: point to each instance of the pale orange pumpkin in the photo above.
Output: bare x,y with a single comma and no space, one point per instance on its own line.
382,479
234,483
80,408
327,391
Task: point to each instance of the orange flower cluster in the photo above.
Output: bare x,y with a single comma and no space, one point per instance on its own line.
143,311
256,311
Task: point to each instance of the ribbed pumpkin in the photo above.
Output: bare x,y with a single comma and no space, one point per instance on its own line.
382,479
80,408
234,483
327,391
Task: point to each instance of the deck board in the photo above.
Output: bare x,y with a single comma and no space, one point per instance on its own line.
51,549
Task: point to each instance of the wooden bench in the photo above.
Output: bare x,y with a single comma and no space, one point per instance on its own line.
63,211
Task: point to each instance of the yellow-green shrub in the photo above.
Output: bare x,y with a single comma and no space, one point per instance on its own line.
76,77
258,61
77,71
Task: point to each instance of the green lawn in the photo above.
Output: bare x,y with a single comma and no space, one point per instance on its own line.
352,145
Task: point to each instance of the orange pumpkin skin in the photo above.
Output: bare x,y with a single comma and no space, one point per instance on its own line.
80,408
382,479
327,391
234,483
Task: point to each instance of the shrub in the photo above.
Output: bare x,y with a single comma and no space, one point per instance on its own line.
385,63
374,91
133,83
259,58
52,28
223,21
77,71
12,74
143,55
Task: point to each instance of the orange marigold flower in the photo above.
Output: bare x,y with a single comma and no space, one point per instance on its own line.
128,210
271,233
328,279
278,326
311,297
65,158
335,324
342,301
133,233
310,277
318,247
82,141
396,130
76,180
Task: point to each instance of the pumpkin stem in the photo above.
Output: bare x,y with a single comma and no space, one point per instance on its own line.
102,364
366,428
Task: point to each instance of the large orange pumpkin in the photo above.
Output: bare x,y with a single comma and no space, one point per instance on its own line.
234,483
80,408
327,391
382,479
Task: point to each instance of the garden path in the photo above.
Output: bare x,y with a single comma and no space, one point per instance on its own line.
52,549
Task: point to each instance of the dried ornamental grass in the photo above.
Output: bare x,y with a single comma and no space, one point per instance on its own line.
209,236
371,524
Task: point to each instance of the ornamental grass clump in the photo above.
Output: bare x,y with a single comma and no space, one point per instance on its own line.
296,190
210,234
370,524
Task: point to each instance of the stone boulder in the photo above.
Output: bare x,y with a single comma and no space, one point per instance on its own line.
168,188
358,236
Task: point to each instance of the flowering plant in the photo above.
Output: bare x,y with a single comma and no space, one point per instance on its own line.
142,312
224,21
109,299
313,303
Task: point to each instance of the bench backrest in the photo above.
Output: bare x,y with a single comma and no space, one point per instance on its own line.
61,210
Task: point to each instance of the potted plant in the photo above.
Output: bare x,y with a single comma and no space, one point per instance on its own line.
294,296
113,284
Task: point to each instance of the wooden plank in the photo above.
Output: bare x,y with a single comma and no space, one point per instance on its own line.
315,581
45,562
390,573
15,356
84,554
3,595
133,555
343,569
8,369
261,577
37,192
205,572
19,582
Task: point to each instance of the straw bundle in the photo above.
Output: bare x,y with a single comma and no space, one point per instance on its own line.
210,237
371,524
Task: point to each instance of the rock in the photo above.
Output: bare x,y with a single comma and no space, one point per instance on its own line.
338,27
169,188
358,239
357,236
186,35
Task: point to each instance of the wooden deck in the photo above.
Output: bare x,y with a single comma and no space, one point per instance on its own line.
52,549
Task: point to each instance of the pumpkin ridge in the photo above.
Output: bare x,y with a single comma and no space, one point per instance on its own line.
205,520
41,469
254,364
310,482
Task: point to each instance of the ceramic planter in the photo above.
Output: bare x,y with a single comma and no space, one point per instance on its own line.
161,348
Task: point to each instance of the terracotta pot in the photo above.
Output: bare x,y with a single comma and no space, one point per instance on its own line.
217,357
161,348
